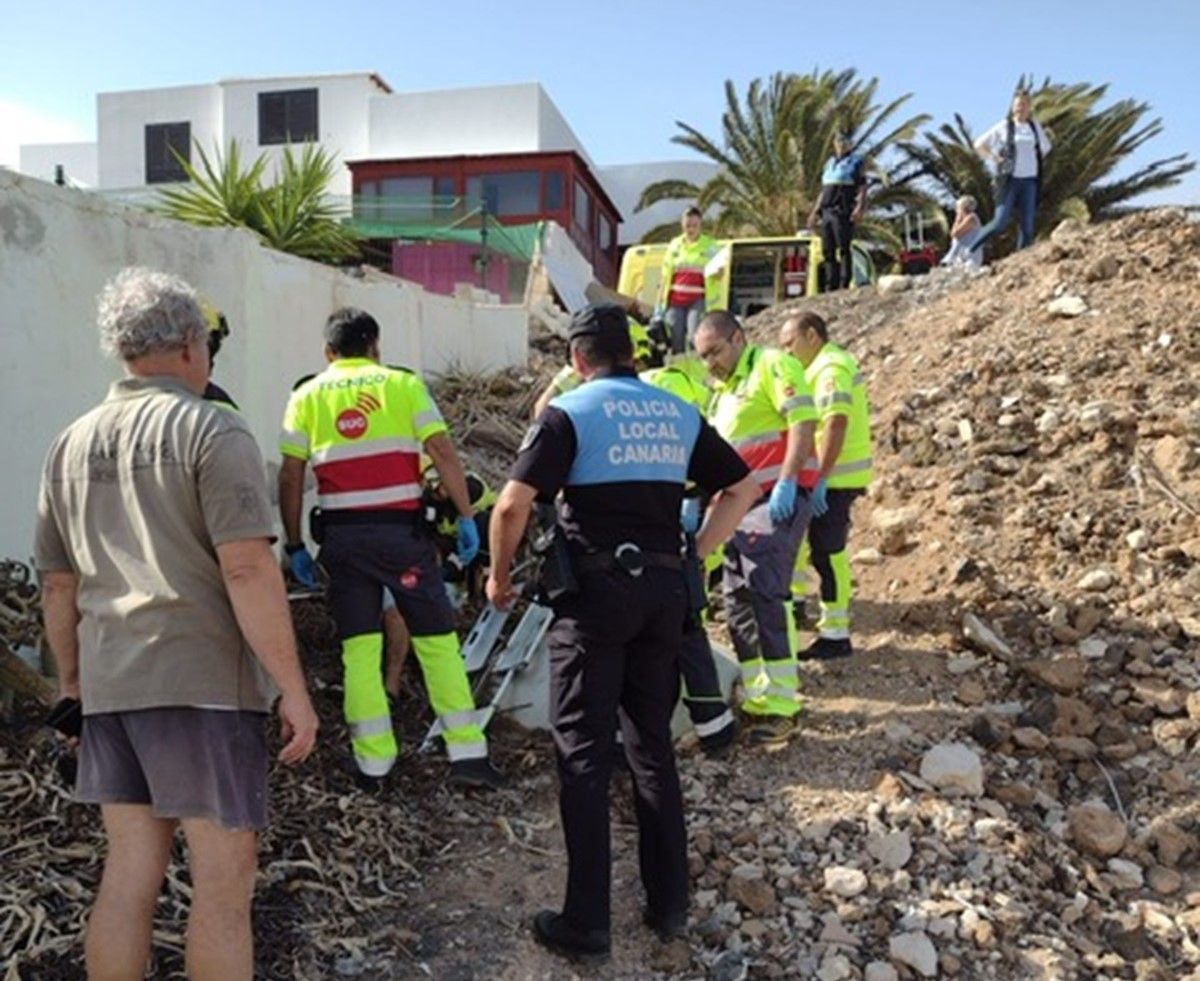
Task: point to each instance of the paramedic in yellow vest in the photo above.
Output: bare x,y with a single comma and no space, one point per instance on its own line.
363,426
684,292
845,454
568,378
763,406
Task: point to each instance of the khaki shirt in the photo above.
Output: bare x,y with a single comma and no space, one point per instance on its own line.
135,497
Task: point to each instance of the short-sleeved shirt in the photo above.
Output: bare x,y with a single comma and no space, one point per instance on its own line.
135,497
603,513
840,183
1025,163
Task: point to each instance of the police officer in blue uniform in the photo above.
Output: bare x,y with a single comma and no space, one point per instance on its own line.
840,208
620,451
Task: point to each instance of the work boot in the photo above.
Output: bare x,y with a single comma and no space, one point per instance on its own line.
826,649
477,772
772,729
719,744
668,926
367,783
553,932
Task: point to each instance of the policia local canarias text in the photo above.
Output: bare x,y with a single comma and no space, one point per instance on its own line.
650,422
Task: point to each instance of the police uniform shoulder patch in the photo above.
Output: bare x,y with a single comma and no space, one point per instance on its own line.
530,437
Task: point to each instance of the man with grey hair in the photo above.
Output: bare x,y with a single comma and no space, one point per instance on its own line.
166,613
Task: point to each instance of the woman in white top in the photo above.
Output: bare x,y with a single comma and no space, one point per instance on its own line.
1017,146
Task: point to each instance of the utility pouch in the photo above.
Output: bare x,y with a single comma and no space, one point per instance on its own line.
316,525
557,576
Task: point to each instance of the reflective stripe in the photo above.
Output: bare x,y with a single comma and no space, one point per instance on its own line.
289,437
713,726
759,439
456,720
781,691
375,447
370,727
427,418
768,475
375,767
785,670
857,466
796,402
834,614
466,751
834,633
840,398
371,498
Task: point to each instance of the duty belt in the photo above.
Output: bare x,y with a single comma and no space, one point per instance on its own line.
627,557
367,516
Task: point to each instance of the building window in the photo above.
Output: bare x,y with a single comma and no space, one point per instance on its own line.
287,117
162,166
513,193
443,187
604,232
553,190
582,208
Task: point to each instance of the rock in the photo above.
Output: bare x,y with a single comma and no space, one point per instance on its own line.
1165,882
1096,830
731,965
1102,267
1027,737
1073,718
982,637
1073,748
971,692
1048,421
914,949
834,932
894,525
1097,581
747,887
1067,305
1067,231
1193,705
890,787
1156,692
1064,675
1171,842
891,850
835,967
1126,874
845,882
955,767
1093,648
880,971
1172,735
1095,415
1138,539
672,958
893,284
867,556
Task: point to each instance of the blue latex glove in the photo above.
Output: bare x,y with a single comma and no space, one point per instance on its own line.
468,540
817,500
304,568
689,515
782,504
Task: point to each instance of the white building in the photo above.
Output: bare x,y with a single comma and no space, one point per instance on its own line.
355,115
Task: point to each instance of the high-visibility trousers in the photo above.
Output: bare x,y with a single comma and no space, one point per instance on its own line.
824,550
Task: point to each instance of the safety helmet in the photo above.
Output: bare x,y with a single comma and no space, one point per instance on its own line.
640,338
218,326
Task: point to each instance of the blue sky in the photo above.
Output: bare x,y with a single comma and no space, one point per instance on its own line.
621,72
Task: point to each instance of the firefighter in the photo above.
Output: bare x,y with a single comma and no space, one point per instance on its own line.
845,454
840,207
442,515
764,407
620,451
363,426
218,330
684,292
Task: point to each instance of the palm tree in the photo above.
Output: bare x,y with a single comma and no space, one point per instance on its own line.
1079,176
773,148
292,215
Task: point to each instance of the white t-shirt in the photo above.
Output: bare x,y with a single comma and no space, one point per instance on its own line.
1023,136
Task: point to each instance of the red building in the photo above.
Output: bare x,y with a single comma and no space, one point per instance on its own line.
515,188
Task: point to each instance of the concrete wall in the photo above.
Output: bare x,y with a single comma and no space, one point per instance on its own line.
122,117
625,183
453,122
59,246
79,161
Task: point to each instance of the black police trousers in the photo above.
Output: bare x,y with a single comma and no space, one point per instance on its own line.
614,660
837,231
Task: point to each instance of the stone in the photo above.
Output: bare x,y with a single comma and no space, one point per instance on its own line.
1126,874
1138,539
751,891
1073,748
880,971
1102,267
1064,675
982,637
1172,735
954,767
1034,740
845,882
1193,705
971,692
1171,842
1073,718
893,284
891,850
1158,693
672,958
890,787
894,525
867,556
1096,830
1093,648
1095,415
1097,581
914,949
835,967
1067,305
1165,882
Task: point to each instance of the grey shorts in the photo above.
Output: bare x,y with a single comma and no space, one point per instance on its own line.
183,762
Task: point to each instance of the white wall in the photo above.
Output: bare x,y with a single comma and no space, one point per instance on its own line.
625,183
79,161
59,246
122,117
489,119
342,117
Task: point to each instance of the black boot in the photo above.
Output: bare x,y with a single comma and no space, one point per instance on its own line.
553,932
826,649
668,926
476,773
719,743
